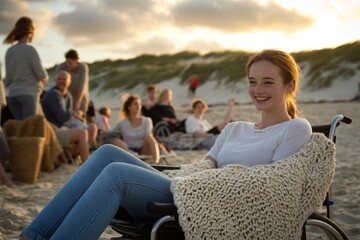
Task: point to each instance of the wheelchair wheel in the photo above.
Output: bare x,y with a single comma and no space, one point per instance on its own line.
319,227
161,131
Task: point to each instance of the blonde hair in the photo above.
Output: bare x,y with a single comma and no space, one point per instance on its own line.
22,27
163,94
289,71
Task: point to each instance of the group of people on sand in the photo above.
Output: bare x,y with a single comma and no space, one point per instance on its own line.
64,105
140,115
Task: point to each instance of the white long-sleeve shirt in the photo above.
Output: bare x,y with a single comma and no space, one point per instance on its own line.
242,143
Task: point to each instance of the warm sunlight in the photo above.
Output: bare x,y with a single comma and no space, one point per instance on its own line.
103,30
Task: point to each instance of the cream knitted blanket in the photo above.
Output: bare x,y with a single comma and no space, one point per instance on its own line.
263,202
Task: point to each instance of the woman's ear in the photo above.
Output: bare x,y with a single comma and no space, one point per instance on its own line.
290,86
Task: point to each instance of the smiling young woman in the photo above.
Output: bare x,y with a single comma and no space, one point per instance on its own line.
111,177
273,82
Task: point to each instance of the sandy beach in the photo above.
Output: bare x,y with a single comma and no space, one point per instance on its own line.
19,205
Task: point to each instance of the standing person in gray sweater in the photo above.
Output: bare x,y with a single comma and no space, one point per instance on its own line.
25,75
79,87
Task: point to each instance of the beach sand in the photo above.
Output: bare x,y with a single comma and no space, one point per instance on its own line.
19,205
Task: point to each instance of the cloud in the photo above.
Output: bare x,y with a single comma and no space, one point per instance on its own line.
239,16
12,10
153,45
99,22
204,46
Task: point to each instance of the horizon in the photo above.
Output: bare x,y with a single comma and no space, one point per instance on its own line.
111,30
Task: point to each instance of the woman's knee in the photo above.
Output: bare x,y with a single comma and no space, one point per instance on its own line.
109,150
118,172
149,139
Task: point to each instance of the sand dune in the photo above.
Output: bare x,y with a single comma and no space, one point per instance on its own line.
19,205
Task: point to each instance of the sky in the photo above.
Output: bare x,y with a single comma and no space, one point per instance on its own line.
123,29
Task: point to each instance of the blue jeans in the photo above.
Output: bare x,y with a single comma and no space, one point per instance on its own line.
84,207
23,106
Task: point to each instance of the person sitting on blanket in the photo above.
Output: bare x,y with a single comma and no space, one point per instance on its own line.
112,177
57,105
201,129
136,130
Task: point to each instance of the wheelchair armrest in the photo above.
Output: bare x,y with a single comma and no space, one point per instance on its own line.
162,208
165,167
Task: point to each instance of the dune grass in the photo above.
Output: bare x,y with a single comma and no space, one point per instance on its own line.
227,67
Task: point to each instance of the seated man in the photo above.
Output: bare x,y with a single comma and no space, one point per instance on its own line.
57,106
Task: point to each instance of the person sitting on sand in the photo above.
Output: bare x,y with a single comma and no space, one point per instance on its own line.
111,177
136,130
57,105
164,111
201,129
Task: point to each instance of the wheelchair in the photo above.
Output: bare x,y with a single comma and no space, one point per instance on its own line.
162,130
166,226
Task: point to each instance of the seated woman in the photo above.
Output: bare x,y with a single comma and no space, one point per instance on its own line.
136,130
84,207
201,129
164,111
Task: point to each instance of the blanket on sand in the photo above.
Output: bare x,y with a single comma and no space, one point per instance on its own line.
263,202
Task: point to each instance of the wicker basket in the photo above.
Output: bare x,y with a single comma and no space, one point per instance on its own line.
26,156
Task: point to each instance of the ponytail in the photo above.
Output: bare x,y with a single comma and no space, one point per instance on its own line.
23,26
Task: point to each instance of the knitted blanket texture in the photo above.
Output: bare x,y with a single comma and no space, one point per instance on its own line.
262,202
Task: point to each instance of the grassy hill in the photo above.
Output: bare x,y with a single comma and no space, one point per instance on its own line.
320,68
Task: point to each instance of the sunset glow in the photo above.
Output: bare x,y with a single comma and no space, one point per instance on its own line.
127,28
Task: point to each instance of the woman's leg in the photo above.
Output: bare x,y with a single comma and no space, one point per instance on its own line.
51,217
119,143
151,147
124,184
